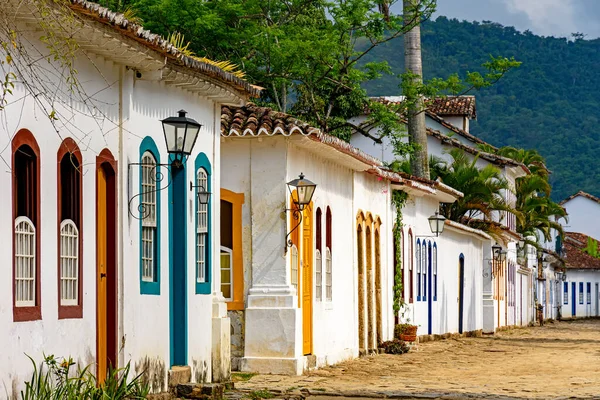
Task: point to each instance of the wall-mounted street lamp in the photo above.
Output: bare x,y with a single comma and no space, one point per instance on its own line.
436,223
498,253
180,134
304,193
202,193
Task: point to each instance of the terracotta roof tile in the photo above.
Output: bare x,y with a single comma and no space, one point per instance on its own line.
157,43
575,256
583,194
454,105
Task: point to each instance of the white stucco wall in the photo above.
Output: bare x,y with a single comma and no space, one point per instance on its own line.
579,210
450,244
143,320
578,276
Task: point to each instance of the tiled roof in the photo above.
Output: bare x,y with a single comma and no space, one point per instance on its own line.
156,42
575,256
397,100
454,105
252,120
583,194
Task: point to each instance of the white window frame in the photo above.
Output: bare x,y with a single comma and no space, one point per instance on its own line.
69,263
149,222
318,276
424,261
229,252
25,262
201,229
328,275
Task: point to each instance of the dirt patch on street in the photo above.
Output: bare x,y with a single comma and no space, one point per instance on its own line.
558,360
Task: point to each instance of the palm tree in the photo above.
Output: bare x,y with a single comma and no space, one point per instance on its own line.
483,190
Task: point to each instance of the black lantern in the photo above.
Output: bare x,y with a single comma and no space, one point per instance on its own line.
498,253
304,193
304,190
181,133
436,223
202,193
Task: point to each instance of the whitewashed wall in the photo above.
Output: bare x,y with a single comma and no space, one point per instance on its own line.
579,210
65,337
582,310
451,244
143,320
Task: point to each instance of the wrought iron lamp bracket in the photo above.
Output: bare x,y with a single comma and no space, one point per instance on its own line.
297,215
157,176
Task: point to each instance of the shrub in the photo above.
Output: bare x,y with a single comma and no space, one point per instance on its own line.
395,346
399,329
55,379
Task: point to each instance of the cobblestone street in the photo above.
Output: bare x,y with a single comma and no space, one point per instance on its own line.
559,360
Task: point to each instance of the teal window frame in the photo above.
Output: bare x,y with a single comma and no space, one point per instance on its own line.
150,288
203,162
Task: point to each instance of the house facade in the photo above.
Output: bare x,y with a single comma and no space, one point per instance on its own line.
299,281
579,292
499,293
107,237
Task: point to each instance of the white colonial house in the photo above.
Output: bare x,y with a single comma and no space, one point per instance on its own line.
499,294
109,243
296,281
579,291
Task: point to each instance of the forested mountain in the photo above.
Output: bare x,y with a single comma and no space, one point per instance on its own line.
551,103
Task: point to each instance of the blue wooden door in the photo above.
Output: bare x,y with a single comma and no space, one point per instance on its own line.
178,292
461,290
573,299
430,291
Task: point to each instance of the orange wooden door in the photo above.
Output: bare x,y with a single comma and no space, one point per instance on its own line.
307,271
102,261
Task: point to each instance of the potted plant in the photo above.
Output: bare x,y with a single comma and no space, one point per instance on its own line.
406,331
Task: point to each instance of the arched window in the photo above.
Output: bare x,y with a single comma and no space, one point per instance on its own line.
294,275
318,259
69,224
26,216
295,240
418,259
434,268
203,246
328,257
410,266
149,218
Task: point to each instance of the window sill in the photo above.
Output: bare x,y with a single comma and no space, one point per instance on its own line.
70,312
151,288
23,314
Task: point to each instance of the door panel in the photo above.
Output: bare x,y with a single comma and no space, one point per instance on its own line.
101,230
461,290
573,299
106,269
307,271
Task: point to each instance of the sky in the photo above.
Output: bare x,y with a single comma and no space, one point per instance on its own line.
542,17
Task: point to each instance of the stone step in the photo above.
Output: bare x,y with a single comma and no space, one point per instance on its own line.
206,391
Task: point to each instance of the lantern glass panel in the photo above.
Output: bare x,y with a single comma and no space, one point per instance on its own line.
190,138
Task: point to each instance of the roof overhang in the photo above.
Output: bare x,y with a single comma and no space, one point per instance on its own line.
466,230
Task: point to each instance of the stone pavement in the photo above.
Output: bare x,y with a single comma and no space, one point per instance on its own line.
559,360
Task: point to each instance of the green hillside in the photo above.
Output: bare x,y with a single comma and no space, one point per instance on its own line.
551,103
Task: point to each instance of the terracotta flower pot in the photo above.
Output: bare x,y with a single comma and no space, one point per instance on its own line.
409,334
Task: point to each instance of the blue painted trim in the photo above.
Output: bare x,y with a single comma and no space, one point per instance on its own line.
152,288
435,276
425,264
430,302
580,292
178,326
419,270
566,293
202,161
589,293
461,292
573,299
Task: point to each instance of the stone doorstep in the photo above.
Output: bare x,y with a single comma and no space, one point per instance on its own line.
206,391
179,374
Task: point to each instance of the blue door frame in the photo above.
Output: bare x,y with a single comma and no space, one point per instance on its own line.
177,267
429,287
461,290
573,299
